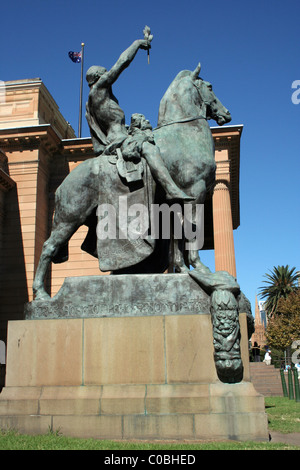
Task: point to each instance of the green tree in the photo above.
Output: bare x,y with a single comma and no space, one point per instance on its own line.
284,328
280,283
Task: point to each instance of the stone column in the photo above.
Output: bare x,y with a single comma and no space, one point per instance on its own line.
6,187
223,229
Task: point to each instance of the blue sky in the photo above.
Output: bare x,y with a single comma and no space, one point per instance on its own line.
248,50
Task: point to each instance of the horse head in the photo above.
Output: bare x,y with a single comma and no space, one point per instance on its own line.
189,96
212,107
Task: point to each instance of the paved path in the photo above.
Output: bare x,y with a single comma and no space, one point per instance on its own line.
292,439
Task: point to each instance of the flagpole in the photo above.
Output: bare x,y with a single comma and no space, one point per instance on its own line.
80,101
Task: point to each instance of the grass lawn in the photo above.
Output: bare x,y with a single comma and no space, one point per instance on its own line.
283,415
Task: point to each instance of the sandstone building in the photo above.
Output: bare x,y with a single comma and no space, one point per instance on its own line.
259,336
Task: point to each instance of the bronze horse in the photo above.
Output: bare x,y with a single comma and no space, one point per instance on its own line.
186,145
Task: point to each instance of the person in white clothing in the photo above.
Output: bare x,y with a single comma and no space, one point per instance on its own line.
267,358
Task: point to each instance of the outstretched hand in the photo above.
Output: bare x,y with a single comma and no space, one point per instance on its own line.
145,44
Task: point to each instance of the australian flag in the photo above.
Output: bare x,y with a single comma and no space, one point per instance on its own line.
75,57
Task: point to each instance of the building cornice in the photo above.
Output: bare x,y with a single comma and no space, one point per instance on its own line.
30,138
6,183
78,147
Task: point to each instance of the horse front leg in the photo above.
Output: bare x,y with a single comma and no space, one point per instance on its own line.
178,257
194,234
178,263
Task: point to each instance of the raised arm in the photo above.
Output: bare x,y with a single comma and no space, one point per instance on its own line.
124,61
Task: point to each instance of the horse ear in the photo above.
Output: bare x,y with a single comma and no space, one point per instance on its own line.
196,72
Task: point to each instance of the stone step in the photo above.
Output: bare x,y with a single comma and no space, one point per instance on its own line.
214,411
266,379
273,375
262,378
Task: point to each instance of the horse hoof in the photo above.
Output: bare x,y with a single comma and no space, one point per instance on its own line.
200,266
181,269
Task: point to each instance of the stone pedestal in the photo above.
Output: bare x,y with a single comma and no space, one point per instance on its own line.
144,375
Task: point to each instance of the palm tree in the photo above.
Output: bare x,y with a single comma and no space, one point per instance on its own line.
281,282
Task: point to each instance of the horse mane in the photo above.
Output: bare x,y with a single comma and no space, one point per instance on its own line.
182,74
168,102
